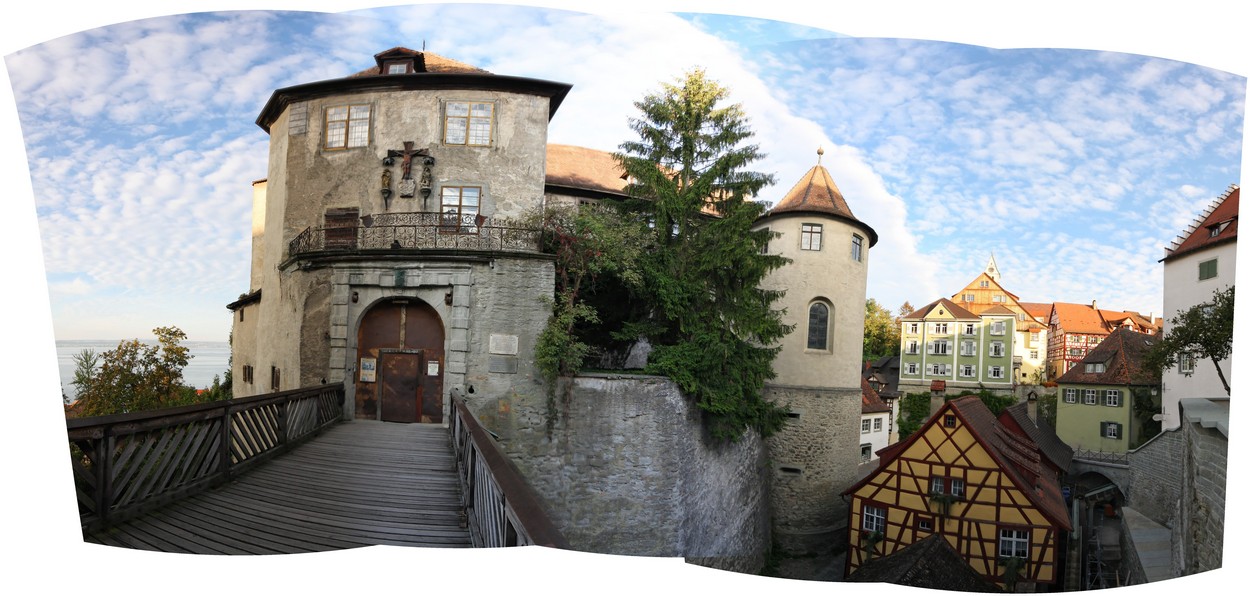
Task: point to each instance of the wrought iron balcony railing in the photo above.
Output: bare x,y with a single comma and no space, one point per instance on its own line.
420,230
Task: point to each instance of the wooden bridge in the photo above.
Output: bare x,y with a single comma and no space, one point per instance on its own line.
281,473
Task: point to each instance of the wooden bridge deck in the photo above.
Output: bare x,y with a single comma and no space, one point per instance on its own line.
361,483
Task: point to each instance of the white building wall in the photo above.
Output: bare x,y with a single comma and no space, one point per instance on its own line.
1181,290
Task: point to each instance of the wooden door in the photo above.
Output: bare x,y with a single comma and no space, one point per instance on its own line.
400,386
404,339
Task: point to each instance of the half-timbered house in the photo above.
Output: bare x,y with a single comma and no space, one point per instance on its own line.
980,483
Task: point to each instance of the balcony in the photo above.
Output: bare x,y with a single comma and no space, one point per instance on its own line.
421,231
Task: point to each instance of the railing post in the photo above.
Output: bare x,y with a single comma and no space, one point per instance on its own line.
104,478
284,419
223,449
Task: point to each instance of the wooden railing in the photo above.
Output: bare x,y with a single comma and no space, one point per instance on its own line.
502,508
127,464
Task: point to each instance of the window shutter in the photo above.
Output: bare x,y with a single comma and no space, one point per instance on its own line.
1102,429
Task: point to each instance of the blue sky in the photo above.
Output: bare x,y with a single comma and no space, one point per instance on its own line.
1076,167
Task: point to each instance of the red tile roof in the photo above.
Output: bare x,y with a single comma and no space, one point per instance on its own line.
1040,310
1198,236
872,401
1123,353
816,192
583,168
957,311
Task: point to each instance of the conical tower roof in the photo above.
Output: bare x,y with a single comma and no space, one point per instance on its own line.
816,193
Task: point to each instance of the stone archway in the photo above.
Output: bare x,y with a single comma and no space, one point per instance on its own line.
400,353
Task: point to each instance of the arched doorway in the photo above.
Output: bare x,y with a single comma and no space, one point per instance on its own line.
399,373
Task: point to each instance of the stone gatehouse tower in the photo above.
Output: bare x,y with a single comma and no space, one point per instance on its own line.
383,248
818,369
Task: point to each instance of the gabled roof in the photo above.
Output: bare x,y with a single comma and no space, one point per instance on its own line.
816,193
955,310
581,169
1055,450
928,563
1016,454
1220,216
872,401
999,309
1079,318
1039,310
1122,353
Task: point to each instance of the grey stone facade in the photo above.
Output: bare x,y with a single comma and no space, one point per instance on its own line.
1154,487
814,458
1204,482
631,471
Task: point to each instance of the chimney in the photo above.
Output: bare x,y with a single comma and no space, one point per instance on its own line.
1094,305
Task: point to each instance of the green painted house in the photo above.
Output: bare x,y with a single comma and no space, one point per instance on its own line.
1107,401
946,347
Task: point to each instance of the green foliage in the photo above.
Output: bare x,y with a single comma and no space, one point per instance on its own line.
135,376
1047,408
995,402
1145,407
881,332
85,363
913,412
710,324
1205,331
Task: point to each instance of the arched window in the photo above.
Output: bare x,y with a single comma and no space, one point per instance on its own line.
818,326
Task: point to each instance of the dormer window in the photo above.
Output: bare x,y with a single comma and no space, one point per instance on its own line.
397,67
1095,367
1215,230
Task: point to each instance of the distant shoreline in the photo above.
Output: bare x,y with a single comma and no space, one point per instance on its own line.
208,359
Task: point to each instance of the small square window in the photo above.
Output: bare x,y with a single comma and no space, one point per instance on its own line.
865,425
1069,396
876,424
1091,397
924,524
1208,269
949,421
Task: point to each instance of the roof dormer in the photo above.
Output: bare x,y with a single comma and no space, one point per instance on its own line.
400,60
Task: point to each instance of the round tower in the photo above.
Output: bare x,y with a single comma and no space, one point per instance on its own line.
820,363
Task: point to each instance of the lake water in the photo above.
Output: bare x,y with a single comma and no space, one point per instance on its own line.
208,358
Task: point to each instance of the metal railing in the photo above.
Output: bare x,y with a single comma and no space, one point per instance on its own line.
128,464
1101,456
419,230
502,508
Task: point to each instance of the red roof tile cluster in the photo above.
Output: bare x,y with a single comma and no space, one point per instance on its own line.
580,167
957,311
815,191
1218,226
872,401
1122,353
1085,318
426,62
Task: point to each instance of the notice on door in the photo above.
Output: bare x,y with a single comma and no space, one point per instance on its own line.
431,368
368,370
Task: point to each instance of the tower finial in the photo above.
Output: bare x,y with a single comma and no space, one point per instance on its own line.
820,152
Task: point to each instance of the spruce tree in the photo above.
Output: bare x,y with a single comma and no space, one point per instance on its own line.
713,330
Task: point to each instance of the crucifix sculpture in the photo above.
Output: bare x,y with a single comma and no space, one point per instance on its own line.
407,185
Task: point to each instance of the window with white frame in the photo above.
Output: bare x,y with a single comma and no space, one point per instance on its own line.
1033,354
865,426
998,327
970,329
999,298
1091,397
874,519
347,126
912,368
913,346
957,487
968,348
940,370
1034,336
1112,398
970,297
985,284
876,424
460,206
1111,430
865,452
940,347
937,485
468,123
996,349
857,247
967,370
913,328
1187,364
1095,367
809,236
1013,543
1069,395
939,328
996,372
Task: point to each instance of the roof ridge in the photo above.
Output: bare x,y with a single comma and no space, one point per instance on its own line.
1197,222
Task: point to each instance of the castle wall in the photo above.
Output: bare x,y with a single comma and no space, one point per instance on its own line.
632,471
813,459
